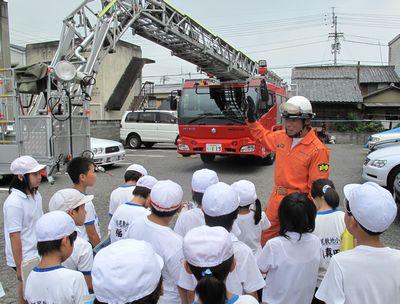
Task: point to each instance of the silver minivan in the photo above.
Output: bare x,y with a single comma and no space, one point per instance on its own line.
148,127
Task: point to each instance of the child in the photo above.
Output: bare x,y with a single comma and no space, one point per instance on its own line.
81,170
329,223
291,260
209,257
127,213
166,200
220,205
127,271
191,218
251,220
369,273
123,193
22,209
73,203
50,282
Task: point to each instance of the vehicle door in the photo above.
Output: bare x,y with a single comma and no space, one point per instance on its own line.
167,127
147,126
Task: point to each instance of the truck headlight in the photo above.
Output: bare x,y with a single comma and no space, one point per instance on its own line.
379,163
248,148
183,147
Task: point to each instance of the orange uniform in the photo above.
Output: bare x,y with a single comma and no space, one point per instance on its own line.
296,168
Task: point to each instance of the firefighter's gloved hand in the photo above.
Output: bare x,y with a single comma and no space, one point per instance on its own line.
250,109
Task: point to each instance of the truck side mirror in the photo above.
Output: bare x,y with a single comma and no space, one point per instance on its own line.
173,103
264,91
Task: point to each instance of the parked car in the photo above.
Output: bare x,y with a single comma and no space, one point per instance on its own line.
382,166
385,136
149,127
106,152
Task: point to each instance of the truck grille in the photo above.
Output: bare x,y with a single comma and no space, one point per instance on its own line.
112,149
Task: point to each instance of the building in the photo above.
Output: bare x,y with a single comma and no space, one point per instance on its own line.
394,53
336,91
162,92
118,80
18,55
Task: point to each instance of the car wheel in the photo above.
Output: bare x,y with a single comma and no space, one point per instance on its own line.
207,158
267,161
134,141
148,145
391,177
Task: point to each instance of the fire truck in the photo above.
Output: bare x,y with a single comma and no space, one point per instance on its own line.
211,117
50,103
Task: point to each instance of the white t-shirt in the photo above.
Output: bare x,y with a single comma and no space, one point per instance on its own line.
329,227
363,275
245,278
81,258
193,218
292,267
123,217
168,245
21,212
90,219
120,196
250,232
55,285
240,300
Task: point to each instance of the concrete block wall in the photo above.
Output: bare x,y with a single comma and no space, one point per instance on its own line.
105,129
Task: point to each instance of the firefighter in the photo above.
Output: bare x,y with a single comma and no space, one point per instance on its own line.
301,158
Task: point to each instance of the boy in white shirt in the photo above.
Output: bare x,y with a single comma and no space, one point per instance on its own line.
166,200
220,205
73,203
22,209
50,282
131,210
369,273
194,217
81,170
123,193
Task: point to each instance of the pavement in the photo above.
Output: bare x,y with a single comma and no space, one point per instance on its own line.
163,162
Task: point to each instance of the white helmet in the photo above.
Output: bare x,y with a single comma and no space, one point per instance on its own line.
297,107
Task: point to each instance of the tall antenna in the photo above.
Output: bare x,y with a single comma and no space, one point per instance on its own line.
335,35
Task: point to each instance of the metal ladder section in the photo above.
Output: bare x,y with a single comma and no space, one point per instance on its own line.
141,101
88,36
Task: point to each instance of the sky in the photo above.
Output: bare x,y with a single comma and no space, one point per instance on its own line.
286,33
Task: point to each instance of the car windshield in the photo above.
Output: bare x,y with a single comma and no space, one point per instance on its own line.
214,105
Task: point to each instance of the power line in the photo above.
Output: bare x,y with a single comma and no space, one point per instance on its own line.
287,47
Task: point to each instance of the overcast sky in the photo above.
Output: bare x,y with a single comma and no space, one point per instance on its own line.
286,33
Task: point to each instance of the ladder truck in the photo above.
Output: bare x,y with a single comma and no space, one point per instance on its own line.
51,112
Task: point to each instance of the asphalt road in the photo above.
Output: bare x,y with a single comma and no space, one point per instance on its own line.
163,163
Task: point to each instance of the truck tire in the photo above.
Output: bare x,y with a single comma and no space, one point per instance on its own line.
267,161
207,158
134,141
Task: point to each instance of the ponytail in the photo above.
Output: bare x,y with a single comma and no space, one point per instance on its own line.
257,211
326,189
211,287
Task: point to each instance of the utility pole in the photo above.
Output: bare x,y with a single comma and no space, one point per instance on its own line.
5,60
335,35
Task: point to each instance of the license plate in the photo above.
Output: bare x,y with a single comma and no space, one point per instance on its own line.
215,148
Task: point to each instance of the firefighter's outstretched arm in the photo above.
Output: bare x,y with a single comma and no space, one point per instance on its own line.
257,131
319,166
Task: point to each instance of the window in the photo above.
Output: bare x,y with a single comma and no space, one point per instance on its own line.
132,117
148,117
167,118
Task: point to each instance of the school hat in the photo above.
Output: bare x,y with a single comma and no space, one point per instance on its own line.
246,192
202,179
219,199
126,271
25,164
54,225
68,199
371,205
146,181
207,246
166,196
137,168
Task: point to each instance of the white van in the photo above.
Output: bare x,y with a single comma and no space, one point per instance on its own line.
148,127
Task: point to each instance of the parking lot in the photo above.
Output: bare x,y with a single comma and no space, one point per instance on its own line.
164,163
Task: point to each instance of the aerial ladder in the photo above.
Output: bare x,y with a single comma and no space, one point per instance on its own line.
57,121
